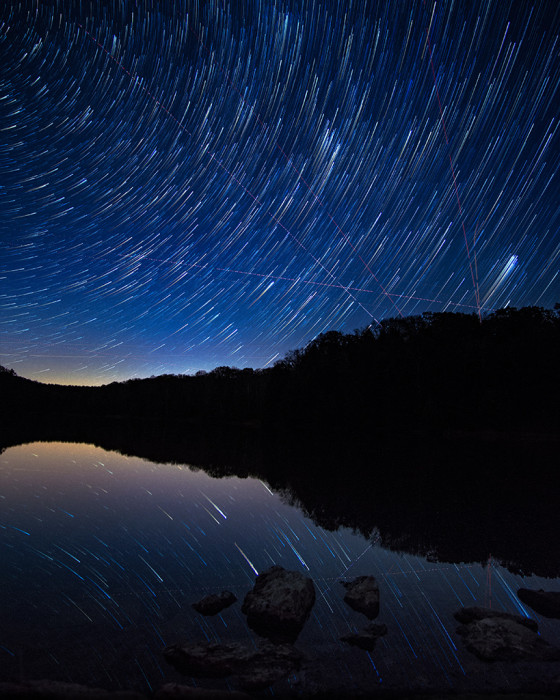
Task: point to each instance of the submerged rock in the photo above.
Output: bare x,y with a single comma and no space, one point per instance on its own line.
255,667
468,615
495,636
367,637
279,604
208,659
546,603
215,603
362,595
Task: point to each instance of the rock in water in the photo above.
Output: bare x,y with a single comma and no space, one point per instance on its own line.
362,595
256,667
367,637
272,663
207,659
279,604
546,603
496,636
215,603
468,615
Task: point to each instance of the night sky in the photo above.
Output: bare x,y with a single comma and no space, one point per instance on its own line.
191,184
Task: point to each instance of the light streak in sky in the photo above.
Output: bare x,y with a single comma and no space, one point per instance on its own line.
164,165
502,277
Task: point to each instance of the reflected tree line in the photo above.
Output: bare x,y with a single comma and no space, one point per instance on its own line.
437,434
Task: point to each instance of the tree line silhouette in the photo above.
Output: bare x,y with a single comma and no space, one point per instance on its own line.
434,371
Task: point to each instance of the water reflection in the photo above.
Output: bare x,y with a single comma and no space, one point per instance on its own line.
102,555
459,498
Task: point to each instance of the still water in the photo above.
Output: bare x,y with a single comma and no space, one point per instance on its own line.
102,556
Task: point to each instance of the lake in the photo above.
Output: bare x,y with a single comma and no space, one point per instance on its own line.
103,554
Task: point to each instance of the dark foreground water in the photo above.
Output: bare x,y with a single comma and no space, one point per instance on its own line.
102,556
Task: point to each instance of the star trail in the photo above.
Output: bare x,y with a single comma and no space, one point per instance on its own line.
192,184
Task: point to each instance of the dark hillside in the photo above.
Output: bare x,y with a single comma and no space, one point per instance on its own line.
437,371
431,372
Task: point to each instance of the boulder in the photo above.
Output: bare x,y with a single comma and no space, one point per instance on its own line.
208,659
503,637
468,615
256,667
367,637
546,603
279,604
215,603
362,595
272,663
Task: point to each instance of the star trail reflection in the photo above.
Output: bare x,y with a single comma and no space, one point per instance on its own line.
108,552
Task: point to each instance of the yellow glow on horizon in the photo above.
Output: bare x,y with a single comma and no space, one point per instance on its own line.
74,464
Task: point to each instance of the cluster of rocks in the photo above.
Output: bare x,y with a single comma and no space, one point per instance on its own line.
277,608
281,601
